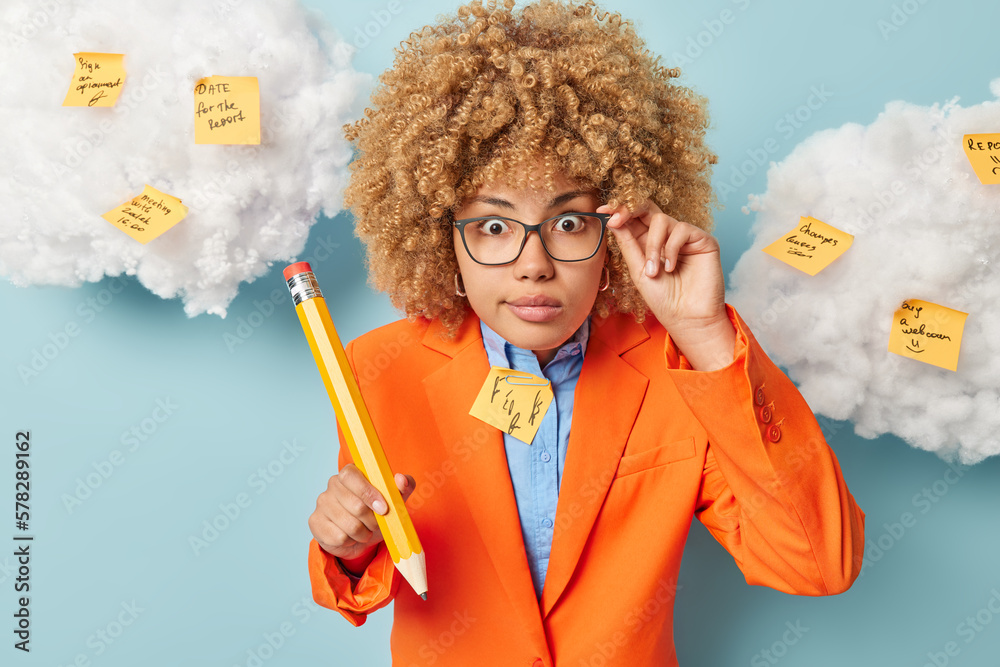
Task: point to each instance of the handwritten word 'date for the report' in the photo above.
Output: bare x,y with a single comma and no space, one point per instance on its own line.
148,215
927,332
983,151
513,401
227,110
97,81
811,246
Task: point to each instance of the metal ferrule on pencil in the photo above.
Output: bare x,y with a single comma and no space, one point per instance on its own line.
303,287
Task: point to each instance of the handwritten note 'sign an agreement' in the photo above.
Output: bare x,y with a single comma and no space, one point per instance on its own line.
97,80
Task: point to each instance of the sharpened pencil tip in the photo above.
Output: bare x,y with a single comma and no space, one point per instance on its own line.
423,596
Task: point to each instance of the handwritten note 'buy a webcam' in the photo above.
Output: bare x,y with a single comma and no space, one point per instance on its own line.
927,332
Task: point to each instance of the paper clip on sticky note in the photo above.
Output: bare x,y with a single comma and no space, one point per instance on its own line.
526,381
356,424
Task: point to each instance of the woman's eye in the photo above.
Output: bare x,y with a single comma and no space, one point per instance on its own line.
494,227
570,223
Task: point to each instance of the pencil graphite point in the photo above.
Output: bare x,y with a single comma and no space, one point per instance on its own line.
423,596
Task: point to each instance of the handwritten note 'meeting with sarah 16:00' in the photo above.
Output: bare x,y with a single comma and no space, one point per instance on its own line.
148,215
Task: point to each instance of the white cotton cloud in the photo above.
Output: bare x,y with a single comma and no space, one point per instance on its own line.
925,228
249,206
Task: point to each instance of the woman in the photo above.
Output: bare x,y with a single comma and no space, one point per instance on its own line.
498,151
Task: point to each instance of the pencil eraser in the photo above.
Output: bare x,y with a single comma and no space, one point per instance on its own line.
297,267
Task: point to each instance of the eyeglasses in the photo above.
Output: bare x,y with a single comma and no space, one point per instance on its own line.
567,237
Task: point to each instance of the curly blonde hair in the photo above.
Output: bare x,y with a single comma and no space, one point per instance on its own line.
485,95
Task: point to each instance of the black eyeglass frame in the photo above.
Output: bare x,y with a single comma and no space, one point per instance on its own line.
603,217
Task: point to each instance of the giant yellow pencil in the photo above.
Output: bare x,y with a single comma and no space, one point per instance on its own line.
356,424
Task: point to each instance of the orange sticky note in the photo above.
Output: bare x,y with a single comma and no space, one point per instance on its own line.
227,110
148,215
97,81
513,401
983,151
927,332
811,246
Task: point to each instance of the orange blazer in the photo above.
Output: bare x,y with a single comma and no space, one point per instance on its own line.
652,445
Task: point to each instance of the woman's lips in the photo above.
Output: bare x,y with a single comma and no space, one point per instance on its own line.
535,308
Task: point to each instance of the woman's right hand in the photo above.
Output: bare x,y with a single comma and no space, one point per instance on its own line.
344,522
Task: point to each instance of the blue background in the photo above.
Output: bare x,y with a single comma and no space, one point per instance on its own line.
234,407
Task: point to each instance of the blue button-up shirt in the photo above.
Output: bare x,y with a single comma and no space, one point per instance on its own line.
536,469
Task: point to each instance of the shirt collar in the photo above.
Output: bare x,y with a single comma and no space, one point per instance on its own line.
497,347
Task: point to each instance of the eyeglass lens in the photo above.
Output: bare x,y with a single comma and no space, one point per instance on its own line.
568,237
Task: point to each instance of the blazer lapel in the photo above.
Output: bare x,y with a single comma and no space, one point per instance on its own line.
484,478
597,439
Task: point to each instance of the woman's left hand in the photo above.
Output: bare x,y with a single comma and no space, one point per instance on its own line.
677,269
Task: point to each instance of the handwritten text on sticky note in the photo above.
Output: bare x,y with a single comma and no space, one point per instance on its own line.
811,246
97,80
983,151
927,332
148,215
513,401
227,110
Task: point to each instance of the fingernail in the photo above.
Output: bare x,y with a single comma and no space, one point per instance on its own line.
650,268
613,220
666,265
380,507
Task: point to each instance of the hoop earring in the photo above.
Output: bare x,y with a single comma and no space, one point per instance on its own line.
459,292
607,279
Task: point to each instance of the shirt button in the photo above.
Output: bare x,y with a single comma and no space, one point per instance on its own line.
546,457
774,433
547,522
759,395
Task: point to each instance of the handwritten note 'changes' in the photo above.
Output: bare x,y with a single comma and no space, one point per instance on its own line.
927,332
227,110
148,215
513,401
983,151
97,81
811,246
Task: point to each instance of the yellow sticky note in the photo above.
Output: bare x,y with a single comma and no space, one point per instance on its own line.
227,110
811,246
514,402
927,332
148,215
983,151
97,81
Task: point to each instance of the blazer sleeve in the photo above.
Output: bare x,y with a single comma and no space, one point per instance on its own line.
772,492
332,586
